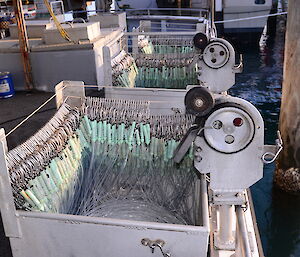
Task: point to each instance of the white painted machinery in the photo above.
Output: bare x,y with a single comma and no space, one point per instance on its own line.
228,138
228,152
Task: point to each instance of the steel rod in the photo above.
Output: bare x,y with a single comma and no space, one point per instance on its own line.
108,221
212,15
179,33
165,17
204,200
244,235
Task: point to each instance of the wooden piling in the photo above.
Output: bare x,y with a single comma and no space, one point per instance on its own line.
287,174
23,43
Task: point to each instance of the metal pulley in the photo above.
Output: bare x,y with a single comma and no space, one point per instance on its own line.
216,55
232,129
200,41
199,101
216,66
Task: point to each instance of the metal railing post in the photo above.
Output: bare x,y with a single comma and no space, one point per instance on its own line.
212,12
107,66
7,205
134,38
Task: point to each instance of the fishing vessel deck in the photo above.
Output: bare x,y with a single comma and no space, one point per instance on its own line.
103,52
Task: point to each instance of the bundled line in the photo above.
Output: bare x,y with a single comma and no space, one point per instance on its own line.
162,45
124,70
166,77
109,159
160,63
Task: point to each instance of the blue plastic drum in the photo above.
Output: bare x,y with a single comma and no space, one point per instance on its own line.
6,85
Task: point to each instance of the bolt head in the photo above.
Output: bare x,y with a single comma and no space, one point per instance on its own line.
198,159
199,103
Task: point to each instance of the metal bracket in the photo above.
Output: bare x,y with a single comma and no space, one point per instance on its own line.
155,243
65,89
195,60
186,143
229,198
230,246
238,68
271,152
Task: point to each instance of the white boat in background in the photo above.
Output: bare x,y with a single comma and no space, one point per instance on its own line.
226,10
236,11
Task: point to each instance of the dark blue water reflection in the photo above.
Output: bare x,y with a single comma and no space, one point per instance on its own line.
278,214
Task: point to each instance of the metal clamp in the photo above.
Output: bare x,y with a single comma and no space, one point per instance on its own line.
155,243
272,151
238,68
186,142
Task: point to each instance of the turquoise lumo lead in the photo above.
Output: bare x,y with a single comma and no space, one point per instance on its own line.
37,191
147,134
104,130
35,200
109,140
94,130
86,124
48,182
55,172
131,133
74,146
114,134
122,133
142,133
100,131
137,136
82,138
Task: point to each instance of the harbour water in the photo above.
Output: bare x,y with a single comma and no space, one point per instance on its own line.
277,212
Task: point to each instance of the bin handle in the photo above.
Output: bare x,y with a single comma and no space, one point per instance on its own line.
152,244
